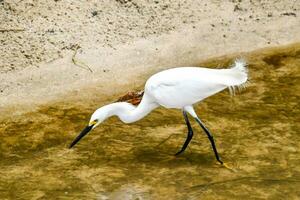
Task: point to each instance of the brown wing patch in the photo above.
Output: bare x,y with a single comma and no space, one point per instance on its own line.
132,97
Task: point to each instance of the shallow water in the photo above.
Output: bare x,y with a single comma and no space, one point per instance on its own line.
257,133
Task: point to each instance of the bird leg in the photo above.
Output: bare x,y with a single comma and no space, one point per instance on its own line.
189,135
211,139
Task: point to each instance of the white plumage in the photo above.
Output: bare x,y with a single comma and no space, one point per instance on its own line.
185,86
177,88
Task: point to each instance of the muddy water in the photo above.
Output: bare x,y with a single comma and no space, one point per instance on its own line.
257,132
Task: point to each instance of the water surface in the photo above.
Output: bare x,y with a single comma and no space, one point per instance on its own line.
257,132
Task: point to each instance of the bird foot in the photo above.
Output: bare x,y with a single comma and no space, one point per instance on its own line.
225,165
178,153
169,158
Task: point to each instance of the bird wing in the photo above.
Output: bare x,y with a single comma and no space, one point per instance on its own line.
180,93
176,94
179,87
176,90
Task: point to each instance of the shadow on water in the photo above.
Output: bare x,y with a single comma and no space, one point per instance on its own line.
257,132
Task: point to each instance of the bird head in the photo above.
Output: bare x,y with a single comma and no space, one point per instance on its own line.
97,117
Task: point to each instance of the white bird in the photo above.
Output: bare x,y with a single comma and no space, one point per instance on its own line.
179,88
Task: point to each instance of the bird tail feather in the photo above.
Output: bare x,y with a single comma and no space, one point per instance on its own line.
238,76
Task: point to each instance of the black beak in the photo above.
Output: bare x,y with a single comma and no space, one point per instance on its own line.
85,131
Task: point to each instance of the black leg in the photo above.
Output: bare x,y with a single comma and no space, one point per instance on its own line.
189,135
211,139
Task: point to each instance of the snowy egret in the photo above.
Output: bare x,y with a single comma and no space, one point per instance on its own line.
177,88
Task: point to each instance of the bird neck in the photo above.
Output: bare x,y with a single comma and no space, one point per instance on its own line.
129,113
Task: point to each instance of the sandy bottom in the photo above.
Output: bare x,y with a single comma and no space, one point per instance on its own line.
257,132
